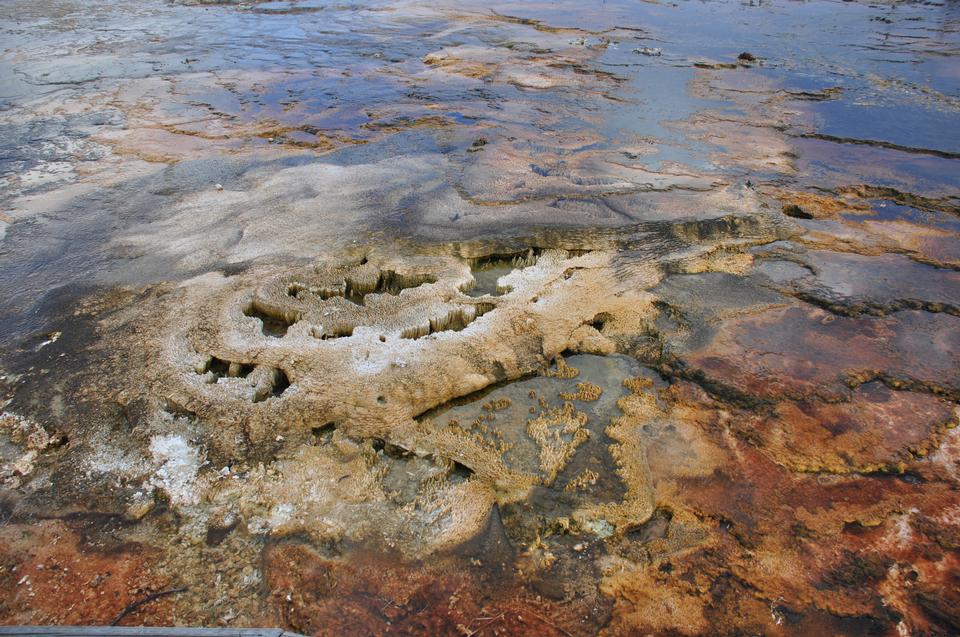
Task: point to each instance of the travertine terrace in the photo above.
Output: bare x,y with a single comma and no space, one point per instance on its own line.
396,318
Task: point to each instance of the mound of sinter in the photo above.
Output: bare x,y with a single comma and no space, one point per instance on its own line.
338,371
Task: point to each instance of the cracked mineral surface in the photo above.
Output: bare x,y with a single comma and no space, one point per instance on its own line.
481,318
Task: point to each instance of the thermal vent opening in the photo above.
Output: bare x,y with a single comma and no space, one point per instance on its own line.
324,433
226,369
274,324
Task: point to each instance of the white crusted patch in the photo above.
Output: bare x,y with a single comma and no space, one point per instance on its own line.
179,464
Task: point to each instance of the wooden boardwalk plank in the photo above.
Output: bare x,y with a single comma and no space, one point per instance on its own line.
140,631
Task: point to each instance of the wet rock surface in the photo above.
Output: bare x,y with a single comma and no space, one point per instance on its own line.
388,318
